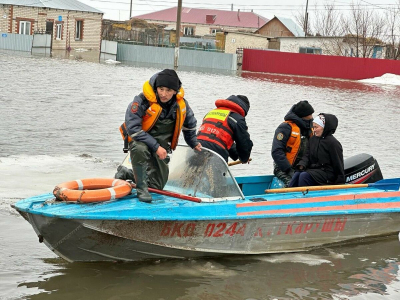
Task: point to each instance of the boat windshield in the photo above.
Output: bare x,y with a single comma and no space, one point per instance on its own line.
203,174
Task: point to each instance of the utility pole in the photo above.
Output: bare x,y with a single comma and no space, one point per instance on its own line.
130,11
178,33
306,20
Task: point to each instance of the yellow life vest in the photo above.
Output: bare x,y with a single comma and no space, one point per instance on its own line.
293,143
153,113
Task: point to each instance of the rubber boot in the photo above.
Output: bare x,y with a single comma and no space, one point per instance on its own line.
140,172
124,173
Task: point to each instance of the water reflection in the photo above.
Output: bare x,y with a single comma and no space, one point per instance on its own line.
68,129
77,54
336,273
334,84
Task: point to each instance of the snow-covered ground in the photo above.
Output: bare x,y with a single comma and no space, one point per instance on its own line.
387,78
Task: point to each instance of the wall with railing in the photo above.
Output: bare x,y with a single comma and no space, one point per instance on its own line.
187,58
317,65
41,43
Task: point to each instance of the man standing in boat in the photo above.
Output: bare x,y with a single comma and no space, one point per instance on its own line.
224,129
153,122
291,139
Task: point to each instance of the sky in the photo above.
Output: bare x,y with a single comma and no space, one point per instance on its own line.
119,9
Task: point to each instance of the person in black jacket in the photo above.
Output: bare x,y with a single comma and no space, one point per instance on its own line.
291,139
224,129
323,161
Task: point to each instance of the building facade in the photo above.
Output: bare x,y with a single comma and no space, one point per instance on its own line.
280,27
237,40
73,25
201,22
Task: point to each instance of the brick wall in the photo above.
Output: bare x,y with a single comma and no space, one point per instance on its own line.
5,11
241,40
202,29
205,29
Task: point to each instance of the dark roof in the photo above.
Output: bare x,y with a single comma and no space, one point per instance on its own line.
209,17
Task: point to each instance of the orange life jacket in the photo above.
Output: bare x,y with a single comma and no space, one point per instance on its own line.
294,142
153,113
215,127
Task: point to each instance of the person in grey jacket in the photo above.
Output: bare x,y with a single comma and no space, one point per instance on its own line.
153,122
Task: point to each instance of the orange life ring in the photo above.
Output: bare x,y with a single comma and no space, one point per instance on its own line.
92,190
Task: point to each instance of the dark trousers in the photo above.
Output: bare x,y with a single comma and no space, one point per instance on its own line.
285,177
157,169
302,179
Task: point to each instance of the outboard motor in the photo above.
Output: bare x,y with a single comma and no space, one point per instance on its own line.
362,168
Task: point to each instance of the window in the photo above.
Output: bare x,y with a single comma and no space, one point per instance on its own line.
188,31
25,27
49,27
59,31
213,30
310,50
78,30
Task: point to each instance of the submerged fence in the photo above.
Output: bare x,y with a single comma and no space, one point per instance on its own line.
187,58
36,44
16,42
41,43
317,65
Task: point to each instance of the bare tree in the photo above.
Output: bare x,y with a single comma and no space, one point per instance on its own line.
300,18
358,33
328,25
393,30
364,30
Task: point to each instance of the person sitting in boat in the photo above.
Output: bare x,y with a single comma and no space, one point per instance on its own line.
153,122
224,129
291,139
323,161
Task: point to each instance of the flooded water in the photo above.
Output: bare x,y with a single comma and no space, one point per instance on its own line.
59,122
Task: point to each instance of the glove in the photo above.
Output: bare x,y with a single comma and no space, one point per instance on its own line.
300,168
290,172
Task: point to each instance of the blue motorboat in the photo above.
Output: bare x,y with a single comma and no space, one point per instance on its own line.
205,211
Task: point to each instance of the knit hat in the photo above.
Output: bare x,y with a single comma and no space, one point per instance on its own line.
303,109
245,101
242,101
320,120
169,79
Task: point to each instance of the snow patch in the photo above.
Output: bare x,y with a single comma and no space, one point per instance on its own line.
111,61
389,79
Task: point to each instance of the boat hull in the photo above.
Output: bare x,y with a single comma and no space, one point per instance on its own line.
205,211
135,240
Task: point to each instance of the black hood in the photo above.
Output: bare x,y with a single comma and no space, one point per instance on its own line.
303,124
331,123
